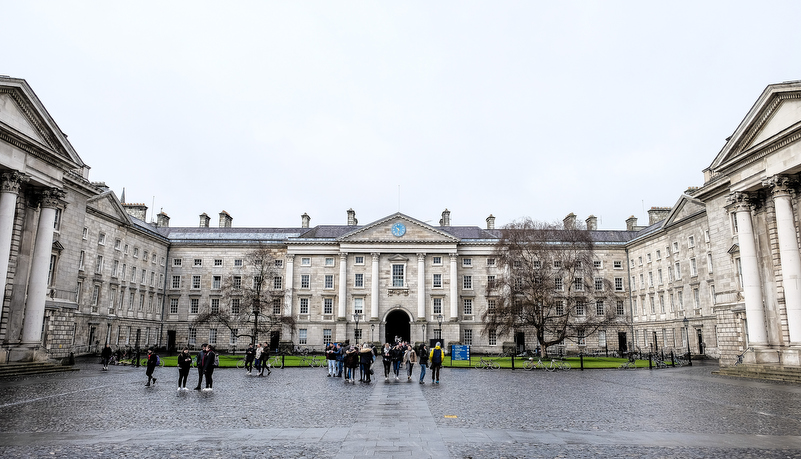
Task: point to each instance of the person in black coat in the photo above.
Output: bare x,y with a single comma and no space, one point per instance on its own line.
199,363
106,356
250,356
208,366
184,364
152,362
366,360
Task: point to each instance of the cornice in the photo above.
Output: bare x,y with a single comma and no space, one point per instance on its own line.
8,135
766,114
747,157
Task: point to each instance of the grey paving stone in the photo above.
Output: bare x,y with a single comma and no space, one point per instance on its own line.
298,413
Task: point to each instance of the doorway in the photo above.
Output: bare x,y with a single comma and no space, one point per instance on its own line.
622,344
171,341
397,327
520,342
275,340
701,345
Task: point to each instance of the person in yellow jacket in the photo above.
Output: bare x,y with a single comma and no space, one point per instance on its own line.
435,358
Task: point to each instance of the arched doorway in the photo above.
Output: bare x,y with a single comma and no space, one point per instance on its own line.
397,325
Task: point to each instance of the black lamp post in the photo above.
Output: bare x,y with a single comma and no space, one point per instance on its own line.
372,330
687,333
439,320
356,317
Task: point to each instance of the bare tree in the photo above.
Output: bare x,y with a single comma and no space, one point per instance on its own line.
250,302
548,284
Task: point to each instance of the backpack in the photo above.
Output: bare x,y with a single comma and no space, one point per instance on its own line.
216,360
158,360
436,357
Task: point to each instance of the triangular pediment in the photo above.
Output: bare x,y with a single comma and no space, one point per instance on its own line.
12,116
107,204
25,123
685,207
773,121
407,230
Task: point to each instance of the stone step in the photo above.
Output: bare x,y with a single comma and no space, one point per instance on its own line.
14,369
768,372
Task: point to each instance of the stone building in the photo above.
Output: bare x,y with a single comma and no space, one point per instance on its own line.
717,273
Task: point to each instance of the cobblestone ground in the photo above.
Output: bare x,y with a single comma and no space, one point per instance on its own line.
673,413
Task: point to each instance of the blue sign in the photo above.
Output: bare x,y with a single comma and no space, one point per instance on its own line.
460,352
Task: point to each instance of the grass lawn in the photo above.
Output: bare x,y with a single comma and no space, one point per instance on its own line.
230,361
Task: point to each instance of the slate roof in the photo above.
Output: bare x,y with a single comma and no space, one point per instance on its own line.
332,232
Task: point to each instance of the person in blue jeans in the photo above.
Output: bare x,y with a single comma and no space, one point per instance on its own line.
422,354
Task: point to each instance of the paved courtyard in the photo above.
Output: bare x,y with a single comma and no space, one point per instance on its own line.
673,413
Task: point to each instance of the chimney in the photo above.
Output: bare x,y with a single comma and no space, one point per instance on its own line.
592,223
631,223
490,222
657,214
162,220
136,210
225,220
304,220
570,221
446,218
352,218
204,220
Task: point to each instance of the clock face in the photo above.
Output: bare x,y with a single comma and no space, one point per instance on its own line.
398,229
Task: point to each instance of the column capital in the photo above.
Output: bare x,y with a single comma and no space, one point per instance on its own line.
11,182
343,255
779,185
421,257
51,197
740,201
375,256
290,257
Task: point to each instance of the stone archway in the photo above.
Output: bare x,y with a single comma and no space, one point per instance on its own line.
397,324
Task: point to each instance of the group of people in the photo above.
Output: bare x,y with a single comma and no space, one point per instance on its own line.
404,354
345,359
260,355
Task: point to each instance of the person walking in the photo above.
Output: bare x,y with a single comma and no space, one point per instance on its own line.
422,356
208,366
257,356
366,360
386,359
410,358
152,363
105,356
436,357
265,360
397,357
250,356
184,365
199,361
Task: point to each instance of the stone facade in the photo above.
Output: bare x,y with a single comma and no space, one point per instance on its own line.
717,273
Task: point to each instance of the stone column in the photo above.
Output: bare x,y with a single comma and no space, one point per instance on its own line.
752,285
421,286
343,285
290,284
788,251
10,184
454,295
374,287
40,265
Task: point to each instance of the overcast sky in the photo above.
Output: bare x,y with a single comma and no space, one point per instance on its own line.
269,110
